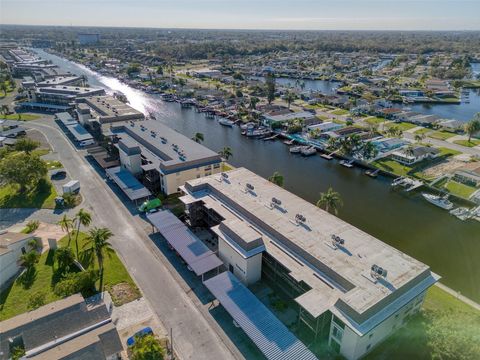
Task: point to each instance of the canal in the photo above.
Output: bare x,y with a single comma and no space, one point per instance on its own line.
407,222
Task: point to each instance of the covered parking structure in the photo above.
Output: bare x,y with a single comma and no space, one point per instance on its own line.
128,183
270,335
192,250
79,132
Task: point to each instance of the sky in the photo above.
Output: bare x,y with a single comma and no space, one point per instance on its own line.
249,14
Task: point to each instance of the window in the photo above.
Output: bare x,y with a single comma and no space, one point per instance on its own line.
23,250
368,347
208,167
338,322
335,346
216,166
337,333
230,268
370,336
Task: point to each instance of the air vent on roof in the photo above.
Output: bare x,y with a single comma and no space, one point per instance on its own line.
276,202
249,187
300,219
337,241
378,272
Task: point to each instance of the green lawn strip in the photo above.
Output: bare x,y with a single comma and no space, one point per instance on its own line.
24,117
374,120
42,196
422,131
401,125
466,143
459,189
441,135
340,112
412,341
14,300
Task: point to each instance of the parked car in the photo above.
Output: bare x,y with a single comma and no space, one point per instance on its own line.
145,331
86,142
58,174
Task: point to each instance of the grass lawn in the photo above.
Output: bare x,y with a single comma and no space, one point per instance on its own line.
401,125
24,117
412,341
14,300
374,120
392,166
441,135
43,196
471,143
115,272
340,112
422,131
459,189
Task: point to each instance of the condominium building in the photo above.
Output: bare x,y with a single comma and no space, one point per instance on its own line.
352,289
104,109
163,158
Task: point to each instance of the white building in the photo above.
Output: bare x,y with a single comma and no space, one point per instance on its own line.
415,155
325,126
352,289
12,246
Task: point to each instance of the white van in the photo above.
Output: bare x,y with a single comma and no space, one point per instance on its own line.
86,142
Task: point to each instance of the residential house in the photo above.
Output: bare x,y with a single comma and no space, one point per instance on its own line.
416,155
12,246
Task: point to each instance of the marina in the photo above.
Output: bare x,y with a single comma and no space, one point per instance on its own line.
370,205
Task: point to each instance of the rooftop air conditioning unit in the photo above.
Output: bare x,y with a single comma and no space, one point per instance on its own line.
378,272
337,241
300,219
276,202
249,187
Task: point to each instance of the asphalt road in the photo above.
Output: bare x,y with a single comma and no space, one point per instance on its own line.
196,336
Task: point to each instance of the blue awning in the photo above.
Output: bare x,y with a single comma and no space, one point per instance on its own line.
44,106
192,250
270,335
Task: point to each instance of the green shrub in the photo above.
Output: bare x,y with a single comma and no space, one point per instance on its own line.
82,282
36,300
31,226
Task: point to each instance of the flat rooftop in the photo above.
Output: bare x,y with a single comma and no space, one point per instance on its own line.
339,277
107,109
59,80
165,148
70,90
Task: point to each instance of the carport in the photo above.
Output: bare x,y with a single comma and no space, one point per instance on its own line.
128,183
270,335
192,250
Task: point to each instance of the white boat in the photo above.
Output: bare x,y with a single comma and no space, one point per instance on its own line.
225,122
308,150
398,181
440,201
295,149
247,126
346,163
461,213
289,142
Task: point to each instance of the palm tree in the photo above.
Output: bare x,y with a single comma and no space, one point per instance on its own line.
289,98
84,218
29,259
3,87
226,152
330,201
253,102
27,145
419,137
198,137
67,224
276,178
369,150
473,126
97,239
64,257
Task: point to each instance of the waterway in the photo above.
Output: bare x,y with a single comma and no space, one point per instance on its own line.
406,222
